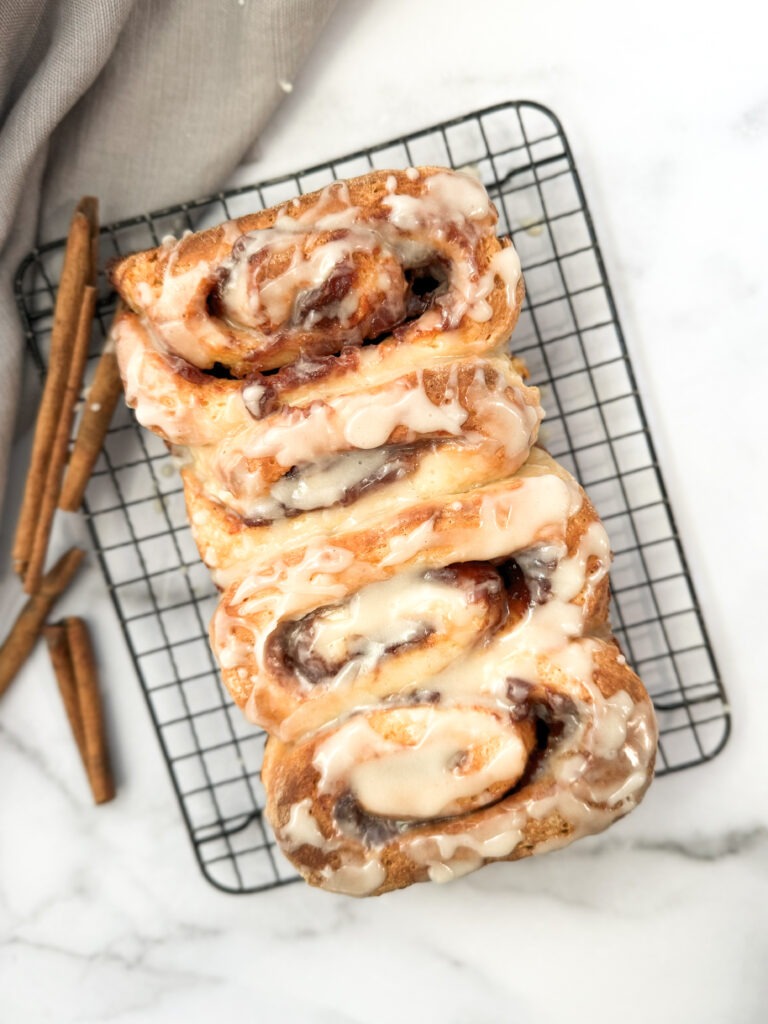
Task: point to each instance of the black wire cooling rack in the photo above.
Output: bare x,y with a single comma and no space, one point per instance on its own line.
570,336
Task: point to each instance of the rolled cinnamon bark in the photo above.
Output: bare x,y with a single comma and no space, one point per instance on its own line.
94,424
28,626
58,648
89,208
76,273
58,454
95,750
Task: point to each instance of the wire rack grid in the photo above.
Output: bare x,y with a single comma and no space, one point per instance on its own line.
570,336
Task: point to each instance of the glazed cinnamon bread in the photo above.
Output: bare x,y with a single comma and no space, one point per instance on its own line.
414,594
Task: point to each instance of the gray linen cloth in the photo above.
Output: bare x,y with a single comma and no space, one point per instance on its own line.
142,103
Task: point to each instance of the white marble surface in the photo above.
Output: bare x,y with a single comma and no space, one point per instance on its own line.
103,913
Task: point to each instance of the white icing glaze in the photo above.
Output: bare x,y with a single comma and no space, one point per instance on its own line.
403,547
504,265
318,485
151,388
547,638
252,394
302,829
327,483
444,761
514,519
278,300
289,589
450,198
412,602
369,426
441,872
355,879
449,856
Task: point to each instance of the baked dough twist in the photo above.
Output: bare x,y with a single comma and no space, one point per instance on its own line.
415,596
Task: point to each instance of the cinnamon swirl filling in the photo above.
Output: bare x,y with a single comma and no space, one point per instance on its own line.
334,645
347,285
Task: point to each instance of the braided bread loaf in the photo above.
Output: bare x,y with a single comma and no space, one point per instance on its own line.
415,595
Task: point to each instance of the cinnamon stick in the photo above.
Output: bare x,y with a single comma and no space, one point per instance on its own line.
27,627
96,753
58,454
61,659
94,423
76,271
89,207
